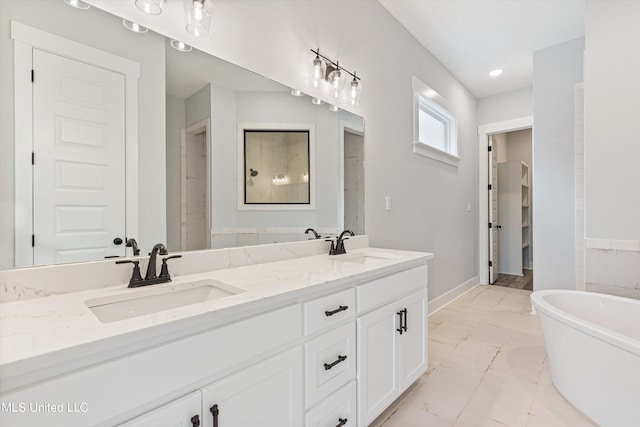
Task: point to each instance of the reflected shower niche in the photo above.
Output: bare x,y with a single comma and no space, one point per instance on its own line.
277,168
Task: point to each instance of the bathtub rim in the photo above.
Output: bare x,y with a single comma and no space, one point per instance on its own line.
601,333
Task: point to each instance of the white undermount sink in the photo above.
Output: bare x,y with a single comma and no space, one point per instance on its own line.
365,257
138,302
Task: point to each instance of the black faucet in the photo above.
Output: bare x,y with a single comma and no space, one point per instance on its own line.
315,233
150,278
131,243
338,248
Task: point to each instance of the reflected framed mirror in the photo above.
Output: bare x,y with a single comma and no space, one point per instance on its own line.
277,162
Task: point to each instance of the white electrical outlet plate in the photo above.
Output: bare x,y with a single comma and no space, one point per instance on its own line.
387,203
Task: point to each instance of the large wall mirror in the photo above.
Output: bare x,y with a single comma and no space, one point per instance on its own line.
188,168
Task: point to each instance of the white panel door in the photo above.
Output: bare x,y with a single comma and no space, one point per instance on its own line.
377,373
79,168
182,412
412,344
493,212
268,394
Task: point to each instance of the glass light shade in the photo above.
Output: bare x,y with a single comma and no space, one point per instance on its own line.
180,46
353,92
296,92
198,17
317,101
78,4
150,7
317,70
334,108
337,81
132,26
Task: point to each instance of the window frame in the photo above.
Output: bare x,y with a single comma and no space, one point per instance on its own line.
429,101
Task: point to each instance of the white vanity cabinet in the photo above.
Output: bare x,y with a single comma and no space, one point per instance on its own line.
392,347
183,412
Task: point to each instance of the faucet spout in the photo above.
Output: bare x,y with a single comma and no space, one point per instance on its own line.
131,243
315,233
159,248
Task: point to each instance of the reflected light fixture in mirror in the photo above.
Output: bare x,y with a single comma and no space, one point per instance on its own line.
78,4
198,16
334,108
317,101
296,92
324,69
150,7
132,26
180,46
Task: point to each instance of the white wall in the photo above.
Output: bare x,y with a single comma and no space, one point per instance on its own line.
58,18
612,148
198,106
555,72
505,106
612,111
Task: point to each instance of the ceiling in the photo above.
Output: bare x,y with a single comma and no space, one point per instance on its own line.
472,37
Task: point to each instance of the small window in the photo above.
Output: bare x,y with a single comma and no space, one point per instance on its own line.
434,126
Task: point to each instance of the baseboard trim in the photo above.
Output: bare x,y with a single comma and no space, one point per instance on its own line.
437,303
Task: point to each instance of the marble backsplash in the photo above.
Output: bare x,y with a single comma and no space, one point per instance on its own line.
613,267
43,281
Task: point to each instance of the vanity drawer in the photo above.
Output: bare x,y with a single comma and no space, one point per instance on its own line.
328,311
337,410
380,291
330,362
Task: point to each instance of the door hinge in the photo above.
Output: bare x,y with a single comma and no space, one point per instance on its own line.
490,225
490,263
489,186
489,148
33,240
33,158
33,76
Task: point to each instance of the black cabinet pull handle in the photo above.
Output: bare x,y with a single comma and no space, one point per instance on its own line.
404,310
337,310
342,422
401,314
214,412
328,366
195,421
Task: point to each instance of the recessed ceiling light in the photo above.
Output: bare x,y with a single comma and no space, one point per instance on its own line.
180,46
495,73
78,4
132,26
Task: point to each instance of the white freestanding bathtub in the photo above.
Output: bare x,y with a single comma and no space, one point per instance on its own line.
593,344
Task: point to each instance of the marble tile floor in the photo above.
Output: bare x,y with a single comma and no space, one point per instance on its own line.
487,367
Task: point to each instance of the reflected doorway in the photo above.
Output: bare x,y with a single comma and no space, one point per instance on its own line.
354,181
195,187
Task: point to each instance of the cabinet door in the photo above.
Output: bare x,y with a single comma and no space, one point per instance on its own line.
377,374
412,345
183,412
266,394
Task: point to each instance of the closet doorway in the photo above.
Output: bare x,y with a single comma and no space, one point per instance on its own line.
511,205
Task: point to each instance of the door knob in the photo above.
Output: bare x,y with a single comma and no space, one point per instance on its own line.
117,241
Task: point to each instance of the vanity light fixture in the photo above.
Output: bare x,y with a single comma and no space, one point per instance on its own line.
150,7
324,69
317,101
198,16
353,93
132,26
495,73
305,177
281,179
296,92
180,46
78,4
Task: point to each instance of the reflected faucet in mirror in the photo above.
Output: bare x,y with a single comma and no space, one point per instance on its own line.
131,243
315,233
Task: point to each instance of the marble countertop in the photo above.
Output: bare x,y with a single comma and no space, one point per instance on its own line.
46,336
